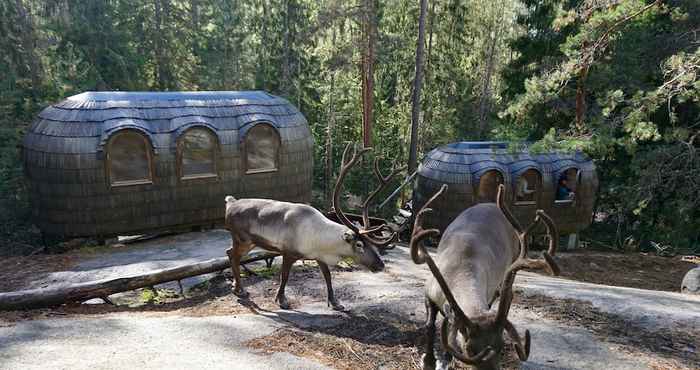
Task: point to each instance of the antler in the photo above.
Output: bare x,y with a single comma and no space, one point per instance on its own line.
523,350
482,356
420,255
523,262
368,231
346,165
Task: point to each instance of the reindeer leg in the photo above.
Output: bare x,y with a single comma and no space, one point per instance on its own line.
496,294
287,263
331,297
431,315
235,253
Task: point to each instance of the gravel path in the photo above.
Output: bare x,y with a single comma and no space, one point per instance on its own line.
126,341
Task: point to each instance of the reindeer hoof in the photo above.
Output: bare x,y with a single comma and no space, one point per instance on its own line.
240,293
336,306
443,365
283,303
428,362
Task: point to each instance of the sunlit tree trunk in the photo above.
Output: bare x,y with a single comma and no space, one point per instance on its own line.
485,97
417,84
368,41
286,68
329,135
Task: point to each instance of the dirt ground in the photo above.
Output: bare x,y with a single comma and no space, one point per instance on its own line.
384,335
633,270
378,339
672,347
18,271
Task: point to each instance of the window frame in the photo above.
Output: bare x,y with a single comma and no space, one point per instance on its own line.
567,202
276,168
149,157
538,189
179,156
478,185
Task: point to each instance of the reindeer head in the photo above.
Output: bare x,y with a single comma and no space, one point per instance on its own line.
364,239
478,341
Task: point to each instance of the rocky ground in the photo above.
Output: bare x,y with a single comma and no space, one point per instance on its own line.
574,324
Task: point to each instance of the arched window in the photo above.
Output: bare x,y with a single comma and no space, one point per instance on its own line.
129,159
261,149
527,187
488,186
567,183
197,152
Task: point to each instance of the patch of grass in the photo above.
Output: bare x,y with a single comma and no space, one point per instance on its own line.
200,287
263,272
157,296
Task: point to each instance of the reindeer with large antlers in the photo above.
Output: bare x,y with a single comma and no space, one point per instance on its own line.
478,257
299,231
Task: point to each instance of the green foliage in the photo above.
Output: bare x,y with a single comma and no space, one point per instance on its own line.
634,66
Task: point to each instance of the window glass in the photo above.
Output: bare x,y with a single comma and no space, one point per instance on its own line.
566,185
129,158
528,187
197,153
261,146
488,186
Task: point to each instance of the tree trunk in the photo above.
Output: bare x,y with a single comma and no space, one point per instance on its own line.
38,298
417,84
488,73
286,68
329,136
431,23
581,99
368,39
158,46
29,45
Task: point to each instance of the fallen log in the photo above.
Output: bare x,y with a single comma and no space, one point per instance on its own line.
49,297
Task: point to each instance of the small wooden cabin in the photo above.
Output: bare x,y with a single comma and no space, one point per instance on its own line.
473,171
121,163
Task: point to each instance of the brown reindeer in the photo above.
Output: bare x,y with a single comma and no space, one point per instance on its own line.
299,231
478,257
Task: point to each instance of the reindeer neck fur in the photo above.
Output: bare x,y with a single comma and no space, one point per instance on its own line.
262,222
473,255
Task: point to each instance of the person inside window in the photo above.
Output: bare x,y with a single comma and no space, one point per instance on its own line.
563,190
523,192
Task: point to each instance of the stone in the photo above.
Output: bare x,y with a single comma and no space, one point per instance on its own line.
691,282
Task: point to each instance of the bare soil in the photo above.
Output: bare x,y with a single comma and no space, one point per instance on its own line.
18,271
633,270
676,348
382,339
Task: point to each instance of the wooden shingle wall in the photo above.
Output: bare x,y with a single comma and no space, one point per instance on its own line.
461,165
64,157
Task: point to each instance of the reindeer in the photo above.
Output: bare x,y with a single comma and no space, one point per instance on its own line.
477,259
299,231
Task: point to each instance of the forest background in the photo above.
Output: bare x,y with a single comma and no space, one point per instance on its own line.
617,79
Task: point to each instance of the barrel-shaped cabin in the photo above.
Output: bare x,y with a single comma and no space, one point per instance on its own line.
562,184
121,163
